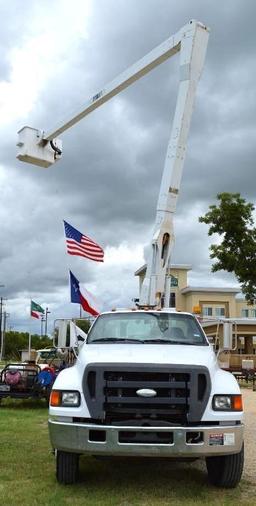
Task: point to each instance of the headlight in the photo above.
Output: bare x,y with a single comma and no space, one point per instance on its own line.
65,398
227,403
70,398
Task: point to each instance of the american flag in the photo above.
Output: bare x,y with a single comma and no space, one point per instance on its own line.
81,245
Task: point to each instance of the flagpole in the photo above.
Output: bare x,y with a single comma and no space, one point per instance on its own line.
29,345
29,334
80,313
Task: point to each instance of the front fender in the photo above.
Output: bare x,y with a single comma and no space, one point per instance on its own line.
70,379
223,382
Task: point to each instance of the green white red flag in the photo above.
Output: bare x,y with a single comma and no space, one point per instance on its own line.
36,311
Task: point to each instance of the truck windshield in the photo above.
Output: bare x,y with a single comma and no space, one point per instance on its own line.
147,328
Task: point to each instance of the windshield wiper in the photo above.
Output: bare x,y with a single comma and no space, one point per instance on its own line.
138,341
171,341
159,340
115,340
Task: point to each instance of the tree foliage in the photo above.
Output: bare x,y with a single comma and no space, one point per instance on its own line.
84,324
17,341
232,220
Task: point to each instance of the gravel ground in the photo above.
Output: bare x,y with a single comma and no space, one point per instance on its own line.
250,434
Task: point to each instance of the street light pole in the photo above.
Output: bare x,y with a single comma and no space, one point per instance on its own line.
42,321
3,334
46,317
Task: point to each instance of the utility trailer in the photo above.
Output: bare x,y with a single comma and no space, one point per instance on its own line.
34,379
24,381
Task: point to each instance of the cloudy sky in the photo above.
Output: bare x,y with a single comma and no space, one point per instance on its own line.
55,55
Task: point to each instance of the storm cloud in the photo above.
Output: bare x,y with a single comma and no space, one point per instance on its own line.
56,55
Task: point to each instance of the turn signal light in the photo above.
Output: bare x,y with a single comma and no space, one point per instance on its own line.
55,398
237,403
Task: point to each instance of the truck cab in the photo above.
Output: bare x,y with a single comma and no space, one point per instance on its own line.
147,384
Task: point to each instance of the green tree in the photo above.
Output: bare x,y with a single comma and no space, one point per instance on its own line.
84,324
17,341
232,220
14,342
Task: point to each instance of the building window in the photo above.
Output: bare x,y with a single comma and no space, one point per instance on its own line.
219,311
172,299
245,313
174,281
207,311
253,312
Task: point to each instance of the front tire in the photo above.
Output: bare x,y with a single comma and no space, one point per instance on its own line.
67,467
226,470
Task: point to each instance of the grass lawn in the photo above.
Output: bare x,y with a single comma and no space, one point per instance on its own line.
27,472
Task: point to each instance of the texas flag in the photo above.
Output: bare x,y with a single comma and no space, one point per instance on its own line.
86,299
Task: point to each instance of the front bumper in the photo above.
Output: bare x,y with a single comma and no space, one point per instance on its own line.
107,440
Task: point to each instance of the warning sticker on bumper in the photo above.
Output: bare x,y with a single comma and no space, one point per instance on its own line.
216,439
222,439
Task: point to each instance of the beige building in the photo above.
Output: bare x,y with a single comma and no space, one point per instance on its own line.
205,301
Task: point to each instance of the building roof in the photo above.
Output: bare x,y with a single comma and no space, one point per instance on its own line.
182,267
212,289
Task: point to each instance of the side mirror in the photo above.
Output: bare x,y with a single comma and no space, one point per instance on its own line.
61,333
228,337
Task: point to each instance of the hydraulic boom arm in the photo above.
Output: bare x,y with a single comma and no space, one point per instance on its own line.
156,285
44,148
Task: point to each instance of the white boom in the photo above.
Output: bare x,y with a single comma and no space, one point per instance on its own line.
44,148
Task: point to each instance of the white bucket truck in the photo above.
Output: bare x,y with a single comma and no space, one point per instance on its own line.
147,383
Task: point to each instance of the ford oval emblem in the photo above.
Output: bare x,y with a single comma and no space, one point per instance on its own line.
146,392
